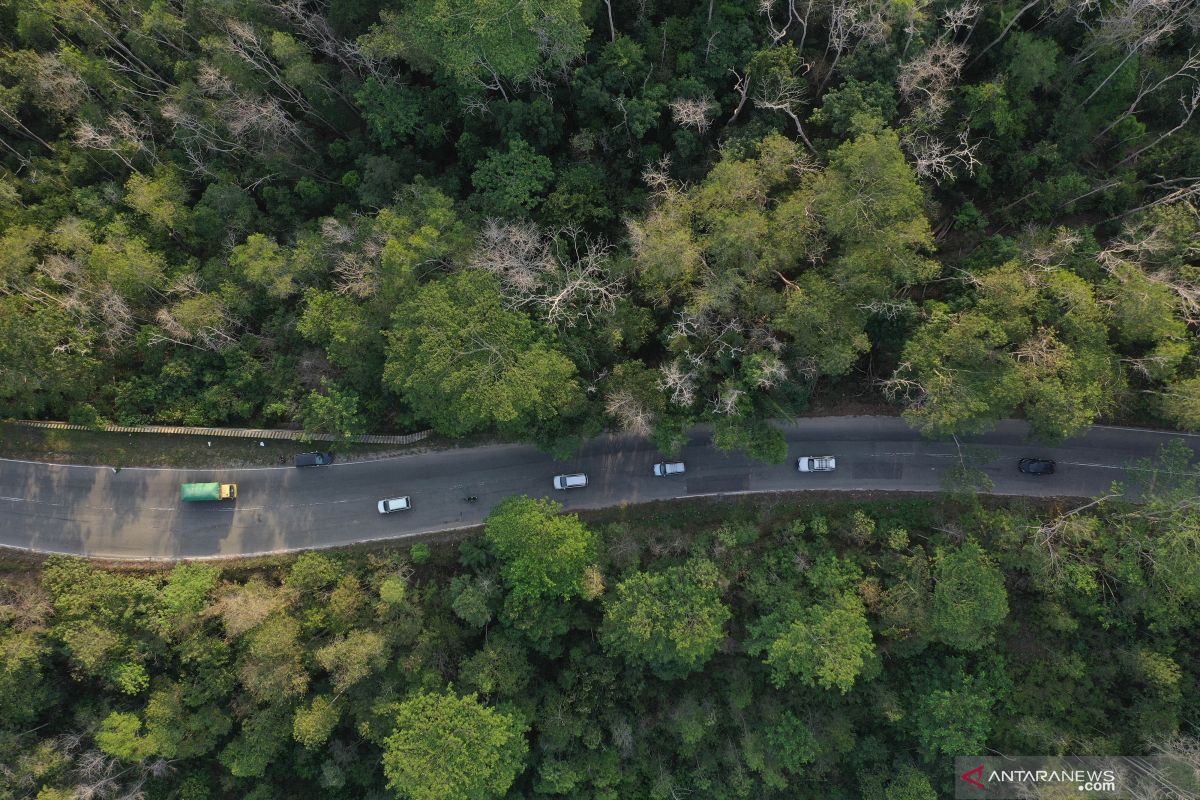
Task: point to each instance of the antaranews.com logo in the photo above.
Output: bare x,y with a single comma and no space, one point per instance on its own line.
1019,777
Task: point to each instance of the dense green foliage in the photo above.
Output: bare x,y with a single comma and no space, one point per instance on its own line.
547,219
783,649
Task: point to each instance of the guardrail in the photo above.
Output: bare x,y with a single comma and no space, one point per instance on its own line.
240,433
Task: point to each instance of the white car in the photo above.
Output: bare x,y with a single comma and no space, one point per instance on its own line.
576,481
395,504
816,463
668,468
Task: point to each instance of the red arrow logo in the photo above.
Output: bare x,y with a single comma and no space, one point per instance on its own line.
966,776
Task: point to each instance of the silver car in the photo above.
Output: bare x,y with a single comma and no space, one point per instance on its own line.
395,504
664,468
576,481
816,463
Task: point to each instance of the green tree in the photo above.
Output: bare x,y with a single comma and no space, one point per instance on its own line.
45,359
760,439
179,728
543,552
345,329
162,198
953,721
392,111
1035,339
446,747
671,621
794,743
315,721
969,598
261,737
332,410
910,784
120,735
353,658
493,41
420,553
826,646
272,667
24,686
512,183
872,205
470,603
127,264
264,263
1180,403
464,363
501,668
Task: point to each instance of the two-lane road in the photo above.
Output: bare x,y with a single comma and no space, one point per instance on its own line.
137,513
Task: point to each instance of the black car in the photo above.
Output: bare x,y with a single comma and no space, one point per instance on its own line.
1036,466
313,459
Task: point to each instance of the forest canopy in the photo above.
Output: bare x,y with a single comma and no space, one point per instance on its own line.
547,220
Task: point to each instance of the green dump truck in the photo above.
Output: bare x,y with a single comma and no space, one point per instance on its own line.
208,491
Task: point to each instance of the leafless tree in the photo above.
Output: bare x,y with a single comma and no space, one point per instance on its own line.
1188,70
205,135
212,81
962,17
771,372
121,135
515,252
244,42
475,105
741,85
1011,24
355,252
1184,748
264,119
57,87
932,72
679,383
1149,366
1042,351
631,414
244,607
901,387
925,82
309,20
622,737
792,15
888,309
210,331
726,401
853,21
692,113
841,28
1189,102
1151,249
583,286
786,93
1174,190
936,160
335,232
658,177
118,318
564,274
1135,26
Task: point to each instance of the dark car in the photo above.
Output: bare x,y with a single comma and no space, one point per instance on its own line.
1036,466
313,459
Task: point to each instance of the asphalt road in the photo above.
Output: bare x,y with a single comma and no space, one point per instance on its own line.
137,513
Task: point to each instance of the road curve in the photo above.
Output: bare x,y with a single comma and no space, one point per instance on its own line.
137,514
